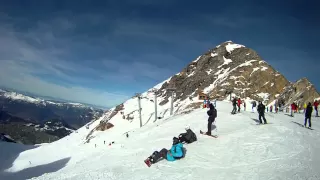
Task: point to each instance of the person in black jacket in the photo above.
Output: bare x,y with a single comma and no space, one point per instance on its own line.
308,115
234,104
261,110
212,113
188,137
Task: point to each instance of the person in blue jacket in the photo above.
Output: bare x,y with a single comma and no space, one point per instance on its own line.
176,152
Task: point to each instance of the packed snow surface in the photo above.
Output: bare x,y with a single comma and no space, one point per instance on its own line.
280,150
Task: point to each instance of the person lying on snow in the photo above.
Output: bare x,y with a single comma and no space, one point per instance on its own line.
176,152
188,137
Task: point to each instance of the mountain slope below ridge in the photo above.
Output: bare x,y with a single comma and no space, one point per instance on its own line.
281,150
300,92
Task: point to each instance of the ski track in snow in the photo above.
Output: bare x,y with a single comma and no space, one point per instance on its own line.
243,150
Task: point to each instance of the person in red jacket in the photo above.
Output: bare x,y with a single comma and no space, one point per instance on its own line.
239,103
293,108
316,104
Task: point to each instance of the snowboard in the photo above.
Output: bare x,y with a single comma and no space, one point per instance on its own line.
147,162
261,124
214,136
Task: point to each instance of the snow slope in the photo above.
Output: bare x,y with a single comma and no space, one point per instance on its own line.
280,150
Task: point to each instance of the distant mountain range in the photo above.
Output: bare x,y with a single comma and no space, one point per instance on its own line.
49,98
32,120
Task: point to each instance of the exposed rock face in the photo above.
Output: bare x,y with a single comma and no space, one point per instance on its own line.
300,92
229,66
104,126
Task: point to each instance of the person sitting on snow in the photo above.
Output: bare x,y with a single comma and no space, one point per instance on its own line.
188,137
176,152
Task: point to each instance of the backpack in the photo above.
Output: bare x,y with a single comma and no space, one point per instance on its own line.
188,137
215,113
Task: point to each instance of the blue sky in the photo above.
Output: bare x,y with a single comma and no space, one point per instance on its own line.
102,52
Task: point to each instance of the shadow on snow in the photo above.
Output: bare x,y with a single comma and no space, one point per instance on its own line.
9,152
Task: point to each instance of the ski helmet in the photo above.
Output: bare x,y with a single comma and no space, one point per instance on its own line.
175,140
187,127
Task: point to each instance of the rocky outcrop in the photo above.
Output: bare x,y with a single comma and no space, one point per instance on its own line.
299,92
104,126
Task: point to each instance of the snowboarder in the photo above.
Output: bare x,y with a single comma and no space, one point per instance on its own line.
188,137
234,104
212,113
316,104
308,115
176,152
261,109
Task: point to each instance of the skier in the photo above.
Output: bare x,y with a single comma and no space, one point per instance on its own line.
254,104
293,108
176,152
234,103
188,137
204,103
267,109
215,103
304,107
308,115
127,135
261,109
212,113
316,104
208,103
271,108
239,103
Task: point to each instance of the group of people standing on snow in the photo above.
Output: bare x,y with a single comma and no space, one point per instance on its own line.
294,109
236,102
